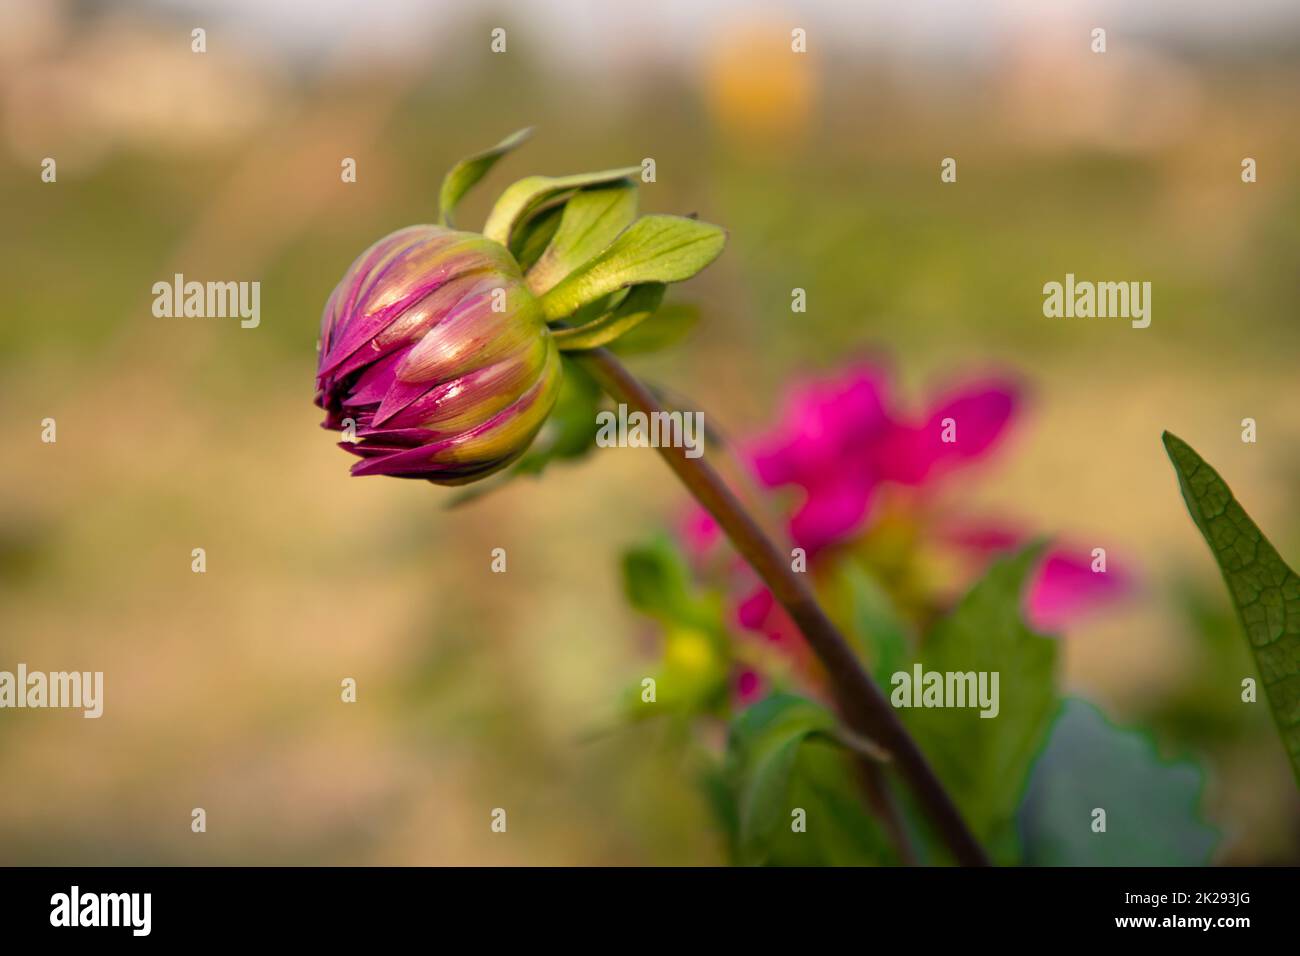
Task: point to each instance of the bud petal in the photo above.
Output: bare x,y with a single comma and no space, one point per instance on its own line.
435,348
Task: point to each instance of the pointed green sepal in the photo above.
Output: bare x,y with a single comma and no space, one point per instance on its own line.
532,236
462,177
672,323
591,220
525,196
639,305
652,249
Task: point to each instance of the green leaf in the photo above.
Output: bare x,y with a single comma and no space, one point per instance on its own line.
984,762
524,197
1264,590
692,673
462,177
779,759
671,324
720,796
657,582
874,622
1152,806
591,221
652,249
639,305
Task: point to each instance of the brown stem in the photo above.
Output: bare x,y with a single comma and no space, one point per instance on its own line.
863,705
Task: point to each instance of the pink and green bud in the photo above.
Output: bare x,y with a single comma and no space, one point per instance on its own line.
435,358
440,349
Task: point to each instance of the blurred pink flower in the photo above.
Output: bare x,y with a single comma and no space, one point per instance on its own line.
698,531
749,687
759,613
1066,587
841,439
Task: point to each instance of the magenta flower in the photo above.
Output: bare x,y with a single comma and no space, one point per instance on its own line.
841,440
1066,587
437,356
748,687
826,445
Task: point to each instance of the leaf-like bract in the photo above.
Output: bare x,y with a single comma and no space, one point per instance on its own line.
652,249
461,177
591,220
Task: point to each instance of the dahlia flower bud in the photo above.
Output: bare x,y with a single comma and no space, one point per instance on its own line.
437,353
440,349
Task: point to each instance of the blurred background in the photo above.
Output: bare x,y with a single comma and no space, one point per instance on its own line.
477,690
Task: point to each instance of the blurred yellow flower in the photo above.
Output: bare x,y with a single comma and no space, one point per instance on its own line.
689,652
756,85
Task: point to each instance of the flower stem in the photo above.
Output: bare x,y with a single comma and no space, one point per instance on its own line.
864,707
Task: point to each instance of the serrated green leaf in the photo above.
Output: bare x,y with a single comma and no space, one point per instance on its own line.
639,305
984,762
1265,591
780,758
524,197
672,323
652,249
462,177
1152,806
590,222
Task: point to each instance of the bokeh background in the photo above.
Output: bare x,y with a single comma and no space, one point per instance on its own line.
479,690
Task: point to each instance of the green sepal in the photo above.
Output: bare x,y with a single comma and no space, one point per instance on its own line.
652,249
522,198
673,322
591,220
462,177
640,303
533,236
